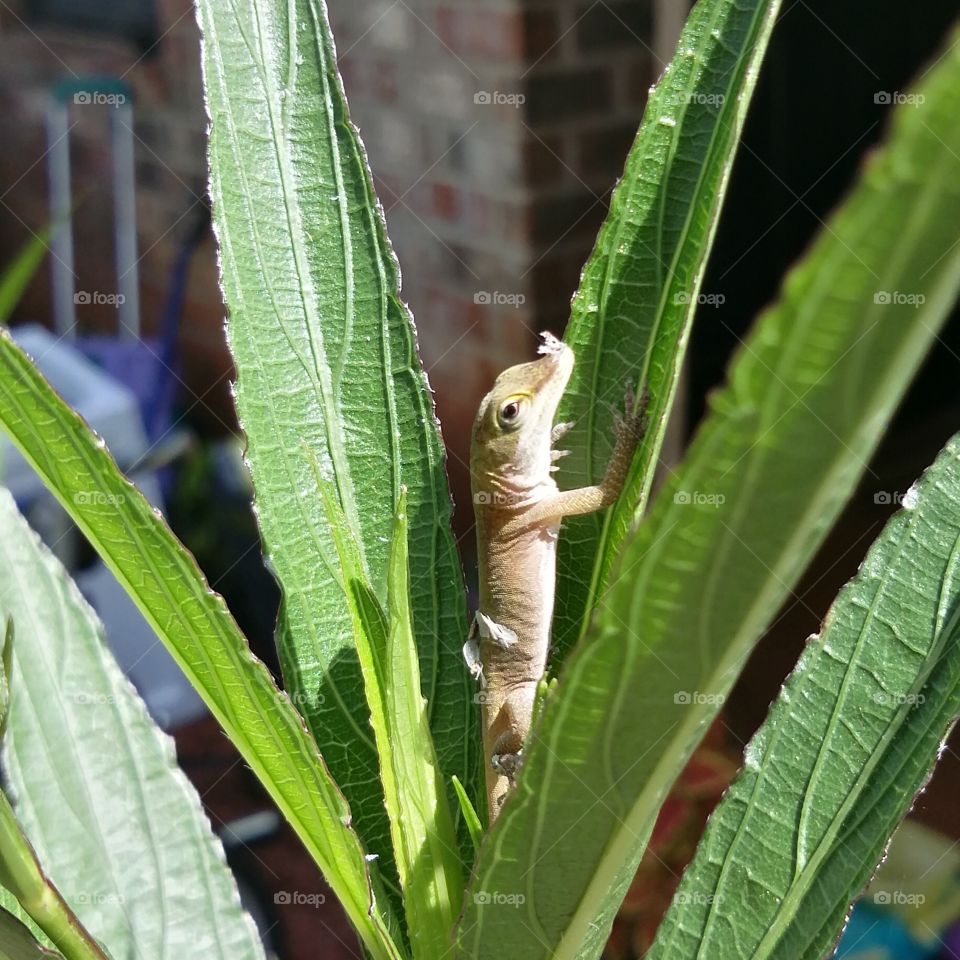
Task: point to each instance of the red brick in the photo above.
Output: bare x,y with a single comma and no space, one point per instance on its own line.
541,35
447,201
615,25
543,160
383,86
560,218
556,95
483,34
640,77
602,152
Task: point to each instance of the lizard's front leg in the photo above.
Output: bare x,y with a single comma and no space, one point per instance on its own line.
567,503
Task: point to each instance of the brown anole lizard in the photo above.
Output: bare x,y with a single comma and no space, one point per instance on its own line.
518,509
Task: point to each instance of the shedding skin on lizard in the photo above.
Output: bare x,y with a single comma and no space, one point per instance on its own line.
518,509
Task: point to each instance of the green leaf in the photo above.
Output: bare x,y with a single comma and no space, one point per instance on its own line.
328,368
631,317
5,660
17,941
195,626
9,904
848,744
22,875
136,855
424,842
728,536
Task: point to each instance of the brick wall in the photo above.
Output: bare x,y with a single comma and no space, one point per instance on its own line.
495,131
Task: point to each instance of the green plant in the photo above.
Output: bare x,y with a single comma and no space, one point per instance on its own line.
659,603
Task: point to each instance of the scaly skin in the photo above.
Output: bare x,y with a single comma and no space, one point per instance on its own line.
518,509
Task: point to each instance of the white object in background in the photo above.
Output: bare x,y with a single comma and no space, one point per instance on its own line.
108,406
142,657
112,410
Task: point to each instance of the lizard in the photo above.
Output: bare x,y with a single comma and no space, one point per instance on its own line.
518,508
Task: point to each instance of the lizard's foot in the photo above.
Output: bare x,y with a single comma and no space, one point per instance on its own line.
630,426
560,430
507,764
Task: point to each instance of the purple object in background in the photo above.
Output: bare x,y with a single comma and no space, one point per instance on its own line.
951,944
137,364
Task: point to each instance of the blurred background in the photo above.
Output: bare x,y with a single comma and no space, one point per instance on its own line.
495,130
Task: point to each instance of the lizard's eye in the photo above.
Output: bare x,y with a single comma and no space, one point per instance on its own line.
509,414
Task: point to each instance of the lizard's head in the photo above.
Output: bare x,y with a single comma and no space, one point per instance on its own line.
511,434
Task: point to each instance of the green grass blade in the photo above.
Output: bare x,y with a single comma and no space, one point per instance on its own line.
424,842
631,317
469,815
725,541
22,875
136,856
327,368
195,626
848,744
18,275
